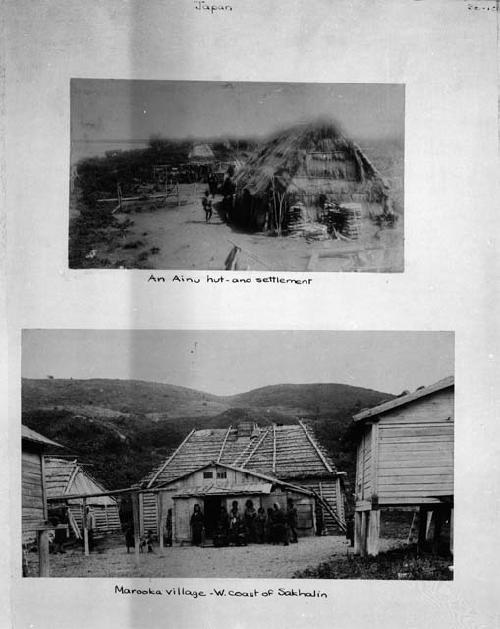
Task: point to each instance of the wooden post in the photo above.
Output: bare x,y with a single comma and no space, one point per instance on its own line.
174,532
85,531
422,529
373,542
357,533
364,532
451,530
159,508
413,528
430,517
135,512
43,553
438,524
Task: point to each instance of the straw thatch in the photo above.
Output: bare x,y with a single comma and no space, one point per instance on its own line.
309,163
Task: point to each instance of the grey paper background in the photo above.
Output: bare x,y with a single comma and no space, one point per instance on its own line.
445,54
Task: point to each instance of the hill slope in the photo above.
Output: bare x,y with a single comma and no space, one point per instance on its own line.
125,428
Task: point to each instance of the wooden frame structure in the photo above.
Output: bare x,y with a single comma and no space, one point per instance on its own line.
157,200
405,458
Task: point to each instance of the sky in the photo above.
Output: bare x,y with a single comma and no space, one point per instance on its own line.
230,362
103,110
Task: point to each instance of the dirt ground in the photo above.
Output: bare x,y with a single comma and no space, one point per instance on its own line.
176,236
253,561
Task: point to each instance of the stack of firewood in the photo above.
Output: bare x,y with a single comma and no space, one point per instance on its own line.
351,220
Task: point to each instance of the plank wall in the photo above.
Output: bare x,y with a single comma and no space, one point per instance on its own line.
33,508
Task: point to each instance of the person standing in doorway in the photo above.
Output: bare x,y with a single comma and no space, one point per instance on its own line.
197,523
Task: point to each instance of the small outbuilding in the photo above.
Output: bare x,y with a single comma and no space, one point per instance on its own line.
68,476
405,459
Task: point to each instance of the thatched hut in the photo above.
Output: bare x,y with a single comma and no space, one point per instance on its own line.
309,164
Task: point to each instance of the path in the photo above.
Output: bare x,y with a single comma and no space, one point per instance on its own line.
254,561
177,237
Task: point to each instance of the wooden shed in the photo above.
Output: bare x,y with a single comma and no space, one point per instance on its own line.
34,492
288,454
405,458
215,485
68,476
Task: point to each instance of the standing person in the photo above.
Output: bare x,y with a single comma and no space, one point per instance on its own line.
260,525
149,541
291,519
207,206
212,184
129,536
222,528
250,516
236,526
269,526
279,525
228,190
90,523
349,532
197,522
320,524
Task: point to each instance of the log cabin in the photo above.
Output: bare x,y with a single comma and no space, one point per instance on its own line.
68,476
405,459
285,455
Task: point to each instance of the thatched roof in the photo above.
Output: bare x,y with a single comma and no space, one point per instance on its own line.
282,452
282,156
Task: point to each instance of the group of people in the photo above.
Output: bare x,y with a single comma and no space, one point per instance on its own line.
236,528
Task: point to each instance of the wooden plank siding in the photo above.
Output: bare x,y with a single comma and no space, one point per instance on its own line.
107,517
327,489
149,514
33,507
413,462
364,466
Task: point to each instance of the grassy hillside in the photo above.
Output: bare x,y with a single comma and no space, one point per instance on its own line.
162,401
125,428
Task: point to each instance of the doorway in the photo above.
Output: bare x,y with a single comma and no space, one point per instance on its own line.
211,512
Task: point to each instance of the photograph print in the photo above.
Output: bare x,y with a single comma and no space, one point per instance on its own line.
208,454
205,175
